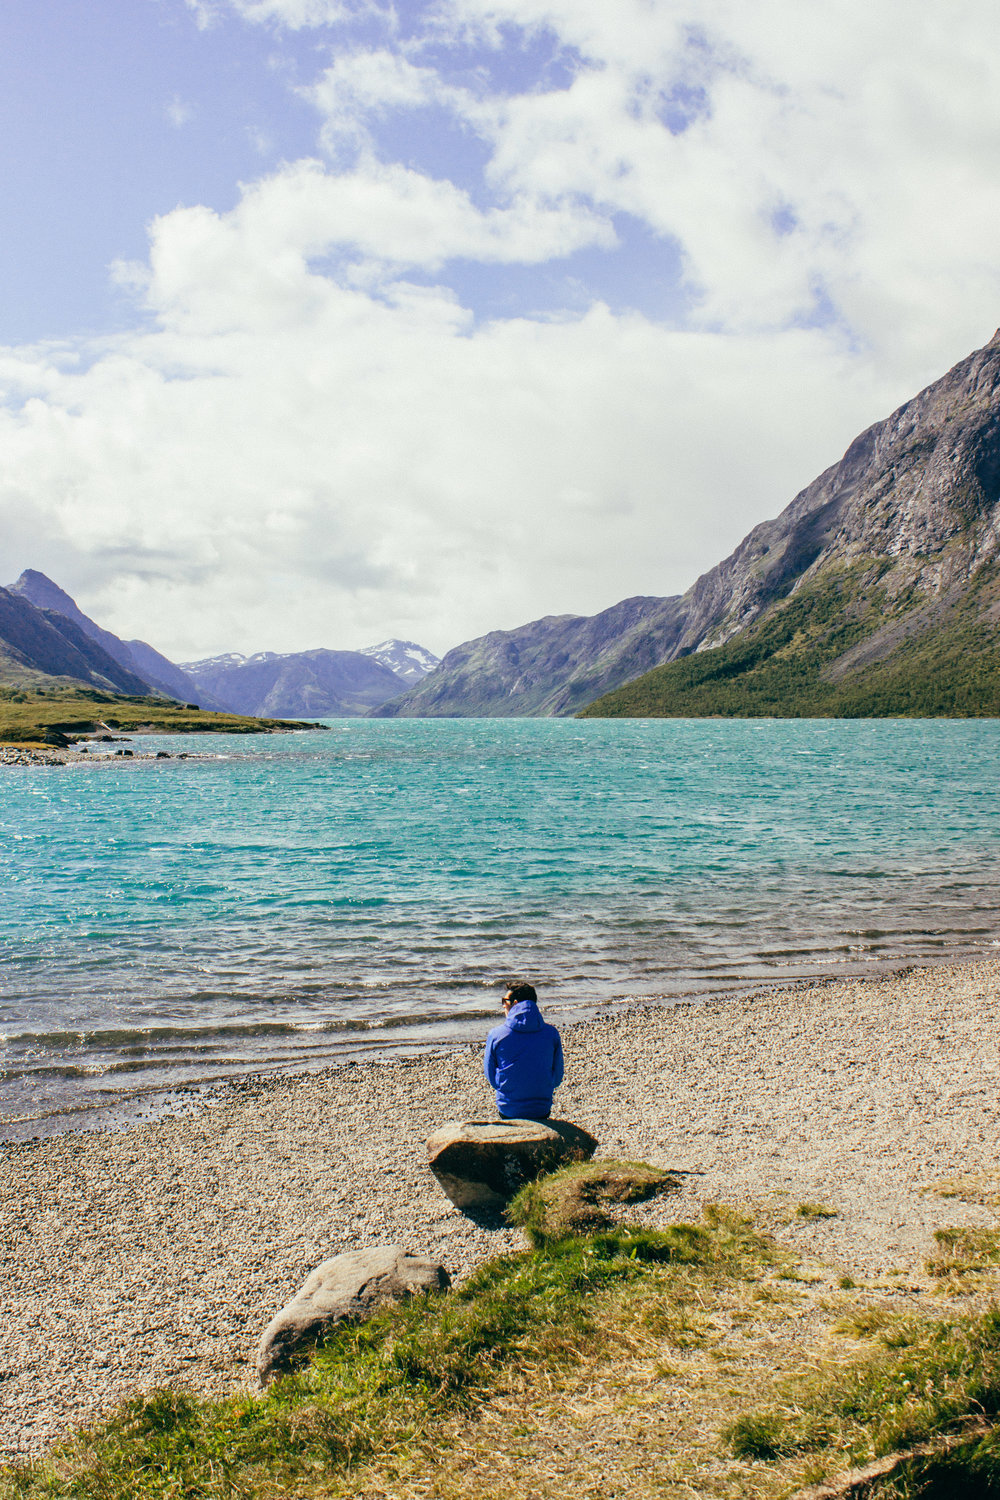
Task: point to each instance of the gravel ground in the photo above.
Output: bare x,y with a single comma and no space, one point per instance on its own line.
36,755
159,1253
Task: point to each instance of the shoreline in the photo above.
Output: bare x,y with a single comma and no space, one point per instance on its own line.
158,1253
168,1101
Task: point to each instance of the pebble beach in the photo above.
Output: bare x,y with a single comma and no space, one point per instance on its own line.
158,1254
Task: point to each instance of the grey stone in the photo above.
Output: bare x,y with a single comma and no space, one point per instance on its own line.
481,1164
346,1288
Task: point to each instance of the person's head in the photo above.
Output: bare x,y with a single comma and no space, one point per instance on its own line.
515,993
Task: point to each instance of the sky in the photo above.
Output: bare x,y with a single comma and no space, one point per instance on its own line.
323,321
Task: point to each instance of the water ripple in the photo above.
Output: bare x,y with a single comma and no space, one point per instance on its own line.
283,902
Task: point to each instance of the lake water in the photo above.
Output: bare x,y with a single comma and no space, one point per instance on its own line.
280,902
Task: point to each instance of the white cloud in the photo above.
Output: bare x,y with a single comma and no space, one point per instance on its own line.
307,447
376,81
379,466
253,265
840,156
179,112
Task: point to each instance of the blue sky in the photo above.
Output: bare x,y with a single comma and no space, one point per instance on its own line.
325,320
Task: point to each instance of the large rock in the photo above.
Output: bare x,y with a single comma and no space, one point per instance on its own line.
346,1288
481,1165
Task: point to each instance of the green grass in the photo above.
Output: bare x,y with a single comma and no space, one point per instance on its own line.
422,1399
375,1388
782,666
577,1198
27,713
927,1380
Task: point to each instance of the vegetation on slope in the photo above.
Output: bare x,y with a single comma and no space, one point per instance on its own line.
699,1359
795,662
29,712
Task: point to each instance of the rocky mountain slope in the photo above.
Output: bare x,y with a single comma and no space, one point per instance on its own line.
551,666
140,661
301,684
408,660
40,644
876,591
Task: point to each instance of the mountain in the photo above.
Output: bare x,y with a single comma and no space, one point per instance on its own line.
300,684
408,660
47,632
875,592
41,642
137,658
163,674
551,666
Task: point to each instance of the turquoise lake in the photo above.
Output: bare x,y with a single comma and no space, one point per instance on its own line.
281,902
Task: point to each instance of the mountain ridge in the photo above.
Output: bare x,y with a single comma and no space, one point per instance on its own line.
139,659
44,633
551,666
883,547
877,589
43,643
317,684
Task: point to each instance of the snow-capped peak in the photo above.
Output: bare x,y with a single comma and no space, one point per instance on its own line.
408,660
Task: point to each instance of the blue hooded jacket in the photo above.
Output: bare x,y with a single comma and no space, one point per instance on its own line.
524,1063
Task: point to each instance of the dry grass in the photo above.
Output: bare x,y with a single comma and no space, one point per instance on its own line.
708,1362
970,1187
679,1358
583,1197
966,1252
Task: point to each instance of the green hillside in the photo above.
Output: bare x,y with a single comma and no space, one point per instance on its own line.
842,646
29,711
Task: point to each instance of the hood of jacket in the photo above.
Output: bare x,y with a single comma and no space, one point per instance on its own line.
525,1016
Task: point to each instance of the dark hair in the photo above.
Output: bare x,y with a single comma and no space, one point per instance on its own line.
519,992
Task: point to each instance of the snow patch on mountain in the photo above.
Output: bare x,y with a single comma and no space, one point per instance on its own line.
408,660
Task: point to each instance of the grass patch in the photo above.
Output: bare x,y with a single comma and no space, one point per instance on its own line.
969,1471
970,1187
380,1387
581,1197
815,1211
28,714
965,1251
928,1379
622,1352
867,1322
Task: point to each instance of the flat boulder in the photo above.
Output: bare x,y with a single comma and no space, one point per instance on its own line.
345,1289
481,1164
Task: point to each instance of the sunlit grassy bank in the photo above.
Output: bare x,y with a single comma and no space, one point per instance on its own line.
701,1359
28,713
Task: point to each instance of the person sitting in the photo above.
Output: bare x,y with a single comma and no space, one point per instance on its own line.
524,1058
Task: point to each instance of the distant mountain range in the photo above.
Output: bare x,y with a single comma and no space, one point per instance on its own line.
875,592
144,666
555,665
310,684
45,635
